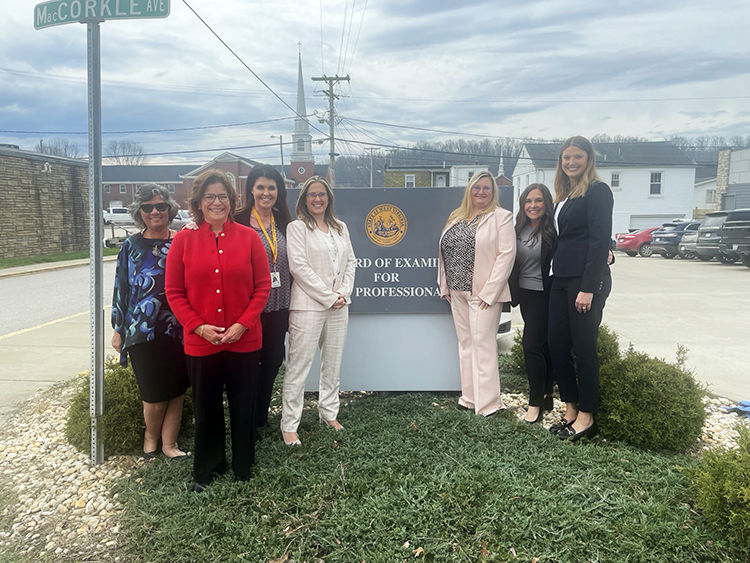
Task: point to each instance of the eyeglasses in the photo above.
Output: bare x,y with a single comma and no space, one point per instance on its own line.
320,195
149,207
213,197
481,188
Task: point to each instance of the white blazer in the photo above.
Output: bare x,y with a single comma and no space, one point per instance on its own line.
316,285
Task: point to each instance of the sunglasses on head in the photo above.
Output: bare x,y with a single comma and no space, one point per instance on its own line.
149,207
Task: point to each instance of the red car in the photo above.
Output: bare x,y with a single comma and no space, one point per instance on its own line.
638,242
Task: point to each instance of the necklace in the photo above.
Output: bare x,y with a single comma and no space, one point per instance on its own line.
156,250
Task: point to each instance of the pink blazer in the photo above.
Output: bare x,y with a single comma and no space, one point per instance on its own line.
494,254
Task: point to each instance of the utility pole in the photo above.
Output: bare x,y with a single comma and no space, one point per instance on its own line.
331,114
370,149
281,149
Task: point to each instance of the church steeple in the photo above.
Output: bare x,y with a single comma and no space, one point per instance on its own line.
301,139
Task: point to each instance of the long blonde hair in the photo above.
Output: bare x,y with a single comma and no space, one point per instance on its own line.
306,216
463,211
562,182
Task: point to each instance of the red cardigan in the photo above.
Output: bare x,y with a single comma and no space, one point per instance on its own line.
220,281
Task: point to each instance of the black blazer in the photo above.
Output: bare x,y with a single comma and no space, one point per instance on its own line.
513,280
584,234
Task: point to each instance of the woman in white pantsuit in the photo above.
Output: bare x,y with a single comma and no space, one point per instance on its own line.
477,251
322,263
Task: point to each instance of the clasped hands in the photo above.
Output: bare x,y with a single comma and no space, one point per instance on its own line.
219,335
340,302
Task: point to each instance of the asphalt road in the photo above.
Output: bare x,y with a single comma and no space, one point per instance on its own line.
31,300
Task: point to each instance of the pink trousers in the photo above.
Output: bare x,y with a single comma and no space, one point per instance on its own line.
477,352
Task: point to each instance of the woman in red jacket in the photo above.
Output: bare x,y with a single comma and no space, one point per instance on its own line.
217,283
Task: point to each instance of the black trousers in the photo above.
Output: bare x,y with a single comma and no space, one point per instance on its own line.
209,375
534,310
573,333
275,325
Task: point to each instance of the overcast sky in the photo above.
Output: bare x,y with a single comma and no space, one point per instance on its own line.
541,69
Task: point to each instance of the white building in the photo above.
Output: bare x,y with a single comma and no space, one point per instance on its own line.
652,183
705,187
737,193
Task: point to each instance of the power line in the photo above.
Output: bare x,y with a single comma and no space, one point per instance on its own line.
172,130
243,63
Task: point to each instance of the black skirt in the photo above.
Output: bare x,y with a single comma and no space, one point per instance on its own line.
160,369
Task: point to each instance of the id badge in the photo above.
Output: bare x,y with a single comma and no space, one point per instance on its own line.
275,279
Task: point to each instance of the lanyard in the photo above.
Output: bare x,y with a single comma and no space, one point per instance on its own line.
272,243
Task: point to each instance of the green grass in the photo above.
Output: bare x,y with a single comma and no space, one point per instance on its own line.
413,477
29,260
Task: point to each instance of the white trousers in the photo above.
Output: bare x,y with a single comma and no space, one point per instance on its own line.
309,330
477,352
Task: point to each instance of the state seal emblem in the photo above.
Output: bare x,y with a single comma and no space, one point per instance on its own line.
385,225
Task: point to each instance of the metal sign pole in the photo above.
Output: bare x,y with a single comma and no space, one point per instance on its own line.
96,366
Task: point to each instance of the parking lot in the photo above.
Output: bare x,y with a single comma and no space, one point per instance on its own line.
657,304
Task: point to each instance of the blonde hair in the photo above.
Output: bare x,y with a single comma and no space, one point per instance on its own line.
563,189
463,211
304,214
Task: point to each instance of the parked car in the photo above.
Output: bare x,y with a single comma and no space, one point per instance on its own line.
709,234
182,219
688,247
735,236
637,242
117,216
666,239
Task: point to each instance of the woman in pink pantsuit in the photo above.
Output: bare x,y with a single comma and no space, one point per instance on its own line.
477,251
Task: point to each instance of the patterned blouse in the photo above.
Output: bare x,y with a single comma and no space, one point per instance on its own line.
457,247
279,297
140,312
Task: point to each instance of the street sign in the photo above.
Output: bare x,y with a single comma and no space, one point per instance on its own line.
92,13
59,12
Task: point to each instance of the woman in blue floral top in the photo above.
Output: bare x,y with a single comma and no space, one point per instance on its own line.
146,330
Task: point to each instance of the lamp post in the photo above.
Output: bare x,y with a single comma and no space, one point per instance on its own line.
281,149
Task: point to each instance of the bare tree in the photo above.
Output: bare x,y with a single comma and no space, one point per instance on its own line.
58,147
129,153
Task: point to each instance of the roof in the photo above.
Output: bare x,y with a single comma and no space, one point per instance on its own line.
141,174
616,155
223,157
705,171
9,150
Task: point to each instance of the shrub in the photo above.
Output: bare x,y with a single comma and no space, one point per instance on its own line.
723,482
121,428
650,403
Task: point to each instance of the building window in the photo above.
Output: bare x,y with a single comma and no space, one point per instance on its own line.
232,179
710,195
300,146
614,182
122,189
408,180
170,187
469,175
106,188
655,188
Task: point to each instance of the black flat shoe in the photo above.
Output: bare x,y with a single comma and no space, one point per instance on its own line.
538,418
181,457
461,407
151,455
562,425
570,434
200,487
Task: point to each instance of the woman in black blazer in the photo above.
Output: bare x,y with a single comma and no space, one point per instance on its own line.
530,284
580,286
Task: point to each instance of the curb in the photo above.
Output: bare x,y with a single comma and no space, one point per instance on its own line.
48,267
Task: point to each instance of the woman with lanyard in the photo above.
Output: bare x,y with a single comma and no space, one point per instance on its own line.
266,211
